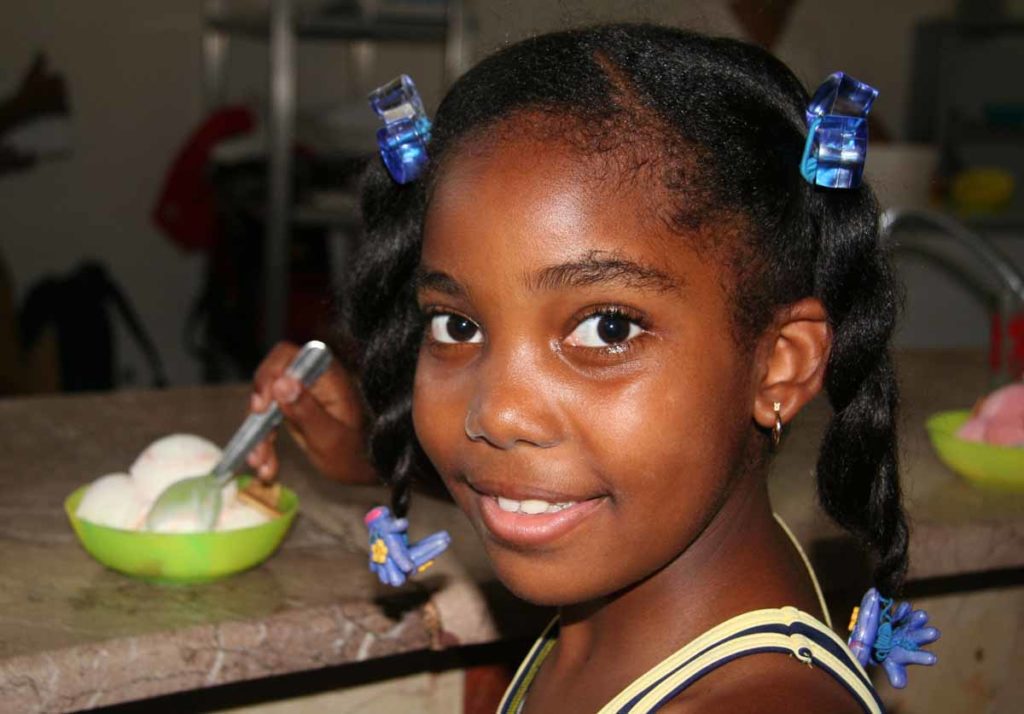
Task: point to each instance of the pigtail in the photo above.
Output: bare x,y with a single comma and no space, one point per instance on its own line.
858,472
383,320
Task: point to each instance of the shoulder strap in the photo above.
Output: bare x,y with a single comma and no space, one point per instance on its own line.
786,630
516,692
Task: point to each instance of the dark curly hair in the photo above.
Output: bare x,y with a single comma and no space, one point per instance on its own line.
721,123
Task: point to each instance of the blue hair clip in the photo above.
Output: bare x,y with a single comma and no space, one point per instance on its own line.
392,558
406,131
892,637
837,132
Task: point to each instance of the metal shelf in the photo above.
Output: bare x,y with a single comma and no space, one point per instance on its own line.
383,29
282,29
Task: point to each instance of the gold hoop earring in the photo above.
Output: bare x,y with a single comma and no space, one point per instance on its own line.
777,429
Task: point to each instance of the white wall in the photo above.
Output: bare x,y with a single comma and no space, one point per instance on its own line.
132,71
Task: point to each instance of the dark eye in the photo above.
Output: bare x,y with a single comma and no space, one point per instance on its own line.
449,328
604,330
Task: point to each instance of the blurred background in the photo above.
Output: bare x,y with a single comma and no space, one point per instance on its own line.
177,177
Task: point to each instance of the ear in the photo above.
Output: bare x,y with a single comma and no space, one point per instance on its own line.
794,352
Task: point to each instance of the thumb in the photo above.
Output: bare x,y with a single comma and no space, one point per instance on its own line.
310,422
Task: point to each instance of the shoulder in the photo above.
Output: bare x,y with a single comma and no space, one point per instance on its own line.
765,684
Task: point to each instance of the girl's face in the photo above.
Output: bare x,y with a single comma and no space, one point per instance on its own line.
578,387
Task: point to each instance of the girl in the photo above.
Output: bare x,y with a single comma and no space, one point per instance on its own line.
591,316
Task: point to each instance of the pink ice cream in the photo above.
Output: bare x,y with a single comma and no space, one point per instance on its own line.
999,419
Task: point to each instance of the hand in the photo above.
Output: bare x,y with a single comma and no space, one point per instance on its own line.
325,420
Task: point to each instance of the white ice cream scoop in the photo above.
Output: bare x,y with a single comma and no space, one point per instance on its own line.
198,499
172,458
112,500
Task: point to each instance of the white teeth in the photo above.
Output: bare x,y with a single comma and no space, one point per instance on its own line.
507,504
532,506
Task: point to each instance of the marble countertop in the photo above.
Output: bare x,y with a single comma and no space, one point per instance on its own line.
74,635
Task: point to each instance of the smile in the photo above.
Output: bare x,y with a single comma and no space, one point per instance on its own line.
532,522
532,506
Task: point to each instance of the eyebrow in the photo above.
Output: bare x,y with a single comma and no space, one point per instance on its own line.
594,268
438,281
602,268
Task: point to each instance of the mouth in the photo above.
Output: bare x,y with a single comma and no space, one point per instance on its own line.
530,520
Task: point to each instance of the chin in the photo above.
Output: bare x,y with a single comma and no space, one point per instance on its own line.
546,584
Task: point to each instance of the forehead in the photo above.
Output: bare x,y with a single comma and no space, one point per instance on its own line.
524,193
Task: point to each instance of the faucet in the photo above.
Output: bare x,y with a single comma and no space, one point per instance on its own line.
1008,299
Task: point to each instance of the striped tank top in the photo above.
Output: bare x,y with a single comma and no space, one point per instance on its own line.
786,630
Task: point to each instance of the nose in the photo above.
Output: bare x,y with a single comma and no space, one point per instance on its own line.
510,406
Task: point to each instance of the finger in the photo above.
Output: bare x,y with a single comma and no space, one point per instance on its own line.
922,657
895,671
319,430
272,367
337,393
268,469
902,610
923,636
261,452
335,448
259,455
258,402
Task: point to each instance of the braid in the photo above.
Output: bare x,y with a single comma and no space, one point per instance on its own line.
858,473
383,319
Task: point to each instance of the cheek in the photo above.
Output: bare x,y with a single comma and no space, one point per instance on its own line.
438,411
668,445
681,418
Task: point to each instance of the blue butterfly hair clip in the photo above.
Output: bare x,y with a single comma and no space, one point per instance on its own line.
837,132
893,636
406,131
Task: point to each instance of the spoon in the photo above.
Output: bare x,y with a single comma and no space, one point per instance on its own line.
200,496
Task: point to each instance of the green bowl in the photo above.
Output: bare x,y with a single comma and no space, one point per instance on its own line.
181,557
997,467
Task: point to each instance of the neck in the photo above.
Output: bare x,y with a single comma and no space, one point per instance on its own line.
741,561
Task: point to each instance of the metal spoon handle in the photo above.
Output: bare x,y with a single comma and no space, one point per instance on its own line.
311,362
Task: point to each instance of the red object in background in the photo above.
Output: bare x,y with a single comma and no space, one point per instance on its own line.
995,355
187,209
